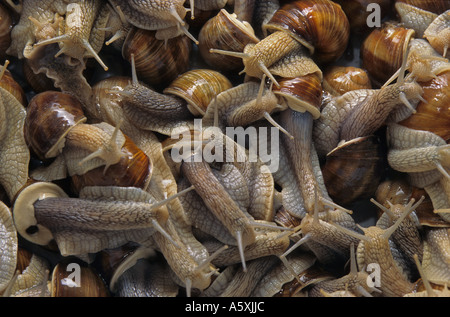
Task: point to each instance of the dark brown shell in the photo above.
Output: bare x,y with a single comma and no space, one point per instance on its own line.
383,51
320,25
354,169
157,62
225,32
50,116
435,6
133,170
434,114
301,93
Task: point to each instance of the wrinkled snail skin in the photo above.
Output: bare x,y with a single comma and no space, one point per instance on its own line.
33,277
167,18
9,247
360,113
415,150
146,279
436,259
57,217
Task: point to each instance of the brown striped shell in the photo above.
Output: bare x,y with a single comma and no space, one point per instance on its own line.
301,93
50,116
198,87
383,51
157,61
224,31
321,26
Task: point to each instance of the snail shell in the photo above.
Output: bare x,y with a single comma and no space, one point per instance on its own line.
337,80
8,83
301,93
50,116
321,26
433,114
354,169
198,87
224,31
383,51
157,61
133,170
91,284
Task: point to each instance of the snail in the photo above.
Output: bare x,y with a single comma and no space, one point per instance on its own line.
124,163
354,169
157,62
438,34
166,17
38,223
31,278
233,281
354,283
376,238
226,32
321,26
384,50
80,21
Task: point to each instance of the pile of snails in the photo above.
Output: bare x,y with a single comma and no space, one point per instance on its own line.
99,98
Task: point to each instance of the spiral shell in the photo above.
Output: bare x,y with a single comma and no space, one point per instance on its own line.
321,26
50,116
198,87
301,93
337,80
157,62
354,169
224,31
383,51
